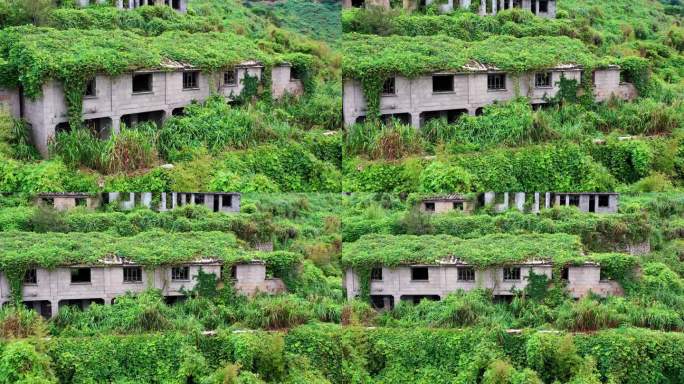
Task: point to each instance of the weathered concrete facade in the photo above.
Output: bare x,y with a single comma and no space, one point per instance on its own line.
226,202
136,97
451,94
178,5
48,290
541,8
365,3
399,283
596,202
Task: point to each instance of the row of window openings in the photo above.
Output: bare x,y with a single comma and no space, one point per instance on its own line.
130,275
142,82
468,274
445,83
573,200
543,5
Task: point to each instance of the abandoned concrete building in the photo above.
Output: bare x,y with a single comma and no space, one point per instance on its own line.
178,5
434,281
595,202
452,94
81,285
541,8
226,202
141,96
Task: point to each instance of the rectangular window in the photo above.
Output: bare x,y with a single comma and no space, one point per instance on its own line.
604,201
80,275
294,74
388,87
574,200
496,81
565,274
199,199
81,202
90,90
230,77
142,82
511,273
543,6
376,274
191,80
458,205
419,274
466,274
180,273
132,274
442,83
226,201
543,80
31,277
430,207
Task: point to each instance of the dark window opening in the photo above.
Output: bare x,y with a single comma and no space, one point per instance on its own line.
388,87
199,199
511,273
603,276
216,204
191,80
604,201
466,274
533,6
496,81
90,90
132,274
226,201
419,274
175,4
376,274
81,202
543,6
574,200
233,272
142,82
49,201
499,198
295,74
31,276
542,80
180,273
230,77
430,207
416,299
80,275
382,302
457,205
442,83
565,274
357,3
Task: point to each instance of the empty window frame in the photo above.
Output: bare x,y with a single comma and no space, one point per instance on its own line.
176,4
31,277
199,199
565,274
294,74
80,275
511,273
420,274
81,202
466,274
389,86
496,81
226,201
543,6
49,201
230,77
430,207
457,205
180,273
604,201
191,80
543,79
90,89
442,83
357,3
142,82
574,200
132,274
376,274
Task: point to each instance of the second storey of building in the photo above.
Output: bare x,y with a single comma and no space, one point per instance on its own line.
453,93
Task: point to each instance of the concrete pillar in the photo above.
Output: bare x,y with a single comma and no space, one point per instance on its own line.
184,197
146,199
54,308
162,202
119,4
510,4
536,9
535,207
488,198
483,7
465,4
113,196
495,6
415,120
520,201
116,125
173,200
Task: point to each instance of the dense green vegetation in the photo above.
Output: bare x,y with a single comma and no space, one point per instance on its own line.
511,146
255,144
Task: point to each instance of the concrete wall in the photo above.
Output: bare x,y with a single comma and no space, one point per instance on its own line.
10,102
396,282
446,206
470,93
115,99
492,7
182,5
107,283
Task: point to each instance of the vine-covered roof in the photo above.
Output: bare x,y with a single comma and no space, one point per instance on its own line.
152,248
366,55
482,252
29,56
